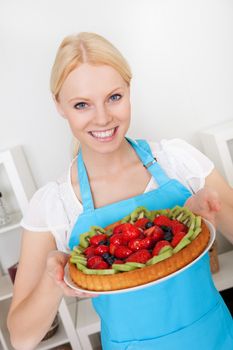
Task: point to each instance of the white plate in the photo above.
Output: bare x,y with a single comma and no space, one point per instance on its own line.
71,284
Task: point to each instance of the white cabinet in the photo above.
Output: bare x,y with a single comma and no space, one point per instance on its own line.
16,175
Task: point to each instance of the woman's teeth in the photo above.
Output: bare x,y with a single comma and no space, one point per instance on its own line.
103,134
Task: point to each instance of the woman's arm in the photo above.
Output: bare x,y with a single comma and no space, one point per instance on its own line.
38,290
215,203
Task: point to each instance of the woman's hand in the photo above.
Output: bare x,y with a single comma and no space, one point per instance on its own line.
55,265
205,203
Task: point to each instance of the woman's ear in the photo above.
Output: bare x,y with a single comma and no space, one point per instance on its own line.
58,106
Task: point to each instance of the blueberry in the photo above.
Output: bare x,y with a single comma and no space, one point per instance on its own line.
107,243
110,260
106,256
149,224
166,228
168,236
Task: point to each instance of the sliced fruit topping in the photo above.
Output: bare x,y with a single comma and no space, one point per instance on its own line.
135,244
161,257
116,239
162,220
94,261
143,223
159,245
177,238
101,249
98,239
89,251
122,252
141,256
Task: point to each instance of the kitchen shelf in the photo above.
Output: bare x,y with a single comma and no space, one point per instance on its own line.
59,338
14,223
6,287
223,279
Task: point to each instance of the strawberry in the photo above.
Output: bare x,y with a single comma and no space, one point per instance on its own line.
141,223
97,239
146,243
141,256
118,261
149,231
112,248
89,252
93,261
159,246
101,265
130,232
134,244
119,228
101,249
116,239
155,232
177,238
122,252
162,220
177,226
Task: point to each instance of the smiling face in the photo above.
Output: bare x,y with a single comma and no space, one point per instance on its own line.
95,100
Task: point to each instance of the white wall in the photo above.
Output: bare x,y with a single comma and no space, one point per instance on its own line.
181,53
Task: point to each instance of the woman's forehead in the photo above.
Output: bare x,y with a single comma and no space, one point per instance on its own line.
89,79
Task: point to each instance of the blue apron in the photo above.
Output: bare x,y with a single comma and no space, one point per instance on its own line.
183,312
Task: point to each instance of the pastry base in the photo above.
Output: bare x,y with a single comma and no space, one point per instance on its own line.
146,274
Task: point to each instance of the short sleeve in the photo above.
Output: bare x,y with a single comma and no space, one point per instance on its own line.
184,162
45,211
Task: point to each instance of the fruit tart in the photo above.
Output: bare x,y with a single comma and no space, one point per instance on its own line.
143,247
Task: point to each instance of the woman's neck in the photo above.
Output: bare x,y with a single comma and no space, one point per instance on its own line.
99,165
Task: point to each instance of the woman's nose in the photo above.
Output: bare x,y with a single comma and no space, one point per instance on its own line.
102,115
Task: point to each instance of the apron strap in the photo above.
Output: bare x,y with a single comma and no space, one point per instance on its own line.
143,150
85,189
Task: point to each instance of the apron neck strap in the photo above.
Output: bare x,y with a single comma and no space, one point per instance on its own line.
143,151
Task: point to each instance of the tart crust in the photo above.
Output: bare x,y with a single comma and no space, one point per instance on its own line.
143,275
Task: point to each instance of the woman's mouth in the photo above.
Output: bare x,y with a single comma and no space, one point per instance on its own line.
105,135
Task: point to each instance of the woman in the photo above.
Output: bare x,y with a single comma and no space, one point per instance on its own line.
90,83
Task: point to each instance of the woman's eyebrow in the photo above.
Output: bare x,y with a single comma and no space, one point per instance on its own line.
87,99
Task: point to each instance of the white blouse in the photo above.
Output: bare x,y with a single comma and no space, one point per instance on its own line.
55,207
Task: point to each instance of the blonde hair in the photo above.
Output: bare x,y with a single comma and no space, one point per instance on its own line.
85,48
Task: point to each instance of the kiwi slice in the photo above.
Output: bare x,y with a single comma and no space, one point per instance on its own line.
78,249
158,258
135,264
78,259
165,249
95,230
98,272
80,266
126,219
185,241
84,240
123,267
139,212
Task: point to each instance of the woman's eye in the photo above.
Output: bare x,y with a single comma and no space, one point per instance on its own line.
80,105
115,97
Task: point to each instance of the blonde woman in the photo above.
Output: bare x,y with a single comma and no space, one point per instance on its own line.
90,84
